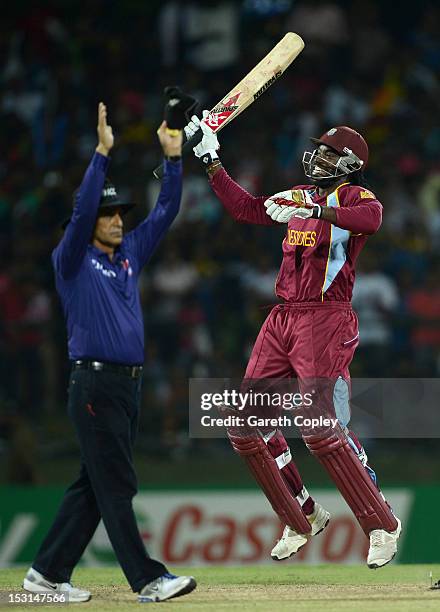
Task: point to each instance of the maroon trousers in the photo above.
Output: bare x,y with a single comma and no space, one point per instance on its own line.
315,343
306,340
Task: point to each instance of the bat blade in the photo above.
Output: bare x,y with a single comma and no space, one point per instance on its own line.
249,89
256,82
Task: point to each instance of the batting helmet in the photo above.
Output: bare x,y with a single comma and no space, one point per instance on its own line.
345,140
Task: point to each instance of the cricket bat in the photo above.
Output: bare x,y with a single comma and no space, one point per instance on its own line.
254,84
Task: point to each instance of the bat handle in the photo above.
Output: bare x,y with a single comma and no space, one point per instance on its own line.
188,144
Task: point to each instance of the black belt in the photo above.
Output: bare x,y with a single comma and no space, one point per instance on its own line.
101,366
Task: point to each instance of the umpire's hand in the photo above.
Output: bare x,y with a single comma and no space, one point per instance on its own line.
171,143
105,133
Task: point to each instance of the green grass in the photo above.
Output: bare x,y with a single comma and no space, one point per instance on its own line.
277,588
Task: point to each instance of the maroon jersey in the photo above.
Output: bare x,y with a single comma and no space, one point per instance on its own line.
318,257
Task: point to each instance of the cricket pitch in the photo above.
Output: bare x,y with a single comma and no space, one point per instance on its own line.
276,588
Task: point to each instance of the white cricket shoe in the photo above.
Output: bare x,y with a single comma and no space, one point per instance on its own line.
383,546
319,519
166,587
291,541
35,582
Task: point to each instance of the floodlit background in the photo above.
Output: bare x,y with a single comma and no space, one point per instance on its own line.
369,64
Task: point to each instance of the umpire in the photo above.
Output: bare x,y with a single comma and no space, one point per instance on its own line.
96,270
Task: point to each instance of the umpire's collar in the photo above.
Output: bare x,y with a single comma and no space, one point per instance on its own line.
102,254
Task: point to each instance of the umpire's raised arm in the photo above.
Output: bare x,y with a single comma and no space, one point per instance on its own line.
143,240
69,254
96,277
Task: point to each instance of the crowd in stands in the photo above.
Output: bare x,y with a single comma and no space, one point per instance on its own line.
206,290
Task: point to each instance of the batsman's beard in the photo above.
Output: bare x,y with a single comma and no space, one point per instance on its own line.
324,183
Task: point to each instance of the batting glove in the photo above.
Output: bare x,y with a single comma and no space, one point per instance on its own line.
284,205
207,148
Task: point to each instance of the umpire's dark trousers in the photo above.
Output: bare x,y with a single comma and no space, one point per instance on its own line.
104,407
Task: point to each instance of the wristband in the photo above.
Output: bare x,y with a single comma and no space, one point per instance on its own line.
173,158
211,169
317,211
208,158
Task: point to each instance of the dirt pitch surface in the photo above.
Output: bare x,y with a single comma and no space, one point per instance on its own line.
270,588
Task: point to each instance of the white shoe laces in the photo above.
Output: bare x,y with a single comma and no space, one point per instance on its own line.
377,538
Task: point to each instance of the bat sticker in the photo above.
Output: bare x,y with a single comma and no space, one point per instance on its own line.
216,119
268,84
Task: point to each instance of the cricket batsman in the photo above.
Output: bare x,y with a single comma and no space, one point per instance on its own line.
313,333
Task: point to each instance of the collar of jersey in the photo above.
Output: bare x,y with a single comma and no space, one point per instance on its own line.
101,255
316,194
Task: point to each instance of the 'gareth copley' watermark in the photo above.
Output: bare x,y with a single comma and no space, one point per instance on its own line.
405,408
254,421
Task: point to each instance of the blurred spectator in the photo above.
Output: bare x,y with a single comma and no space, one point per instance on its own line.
345,103
204,34
371,41
259,279
424,307
26,311
429,199
427,37
174,278
375,299
321,22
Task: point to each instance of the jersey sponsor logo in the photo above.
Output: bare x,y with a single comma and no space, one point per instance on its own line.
105,271
366,193
298,238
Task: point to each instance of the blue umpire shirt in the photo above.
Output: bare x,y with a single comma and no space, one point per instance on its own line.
100,297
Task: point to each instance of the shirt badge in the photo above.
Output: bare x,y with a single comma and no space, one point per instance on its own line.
367,194
127,267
